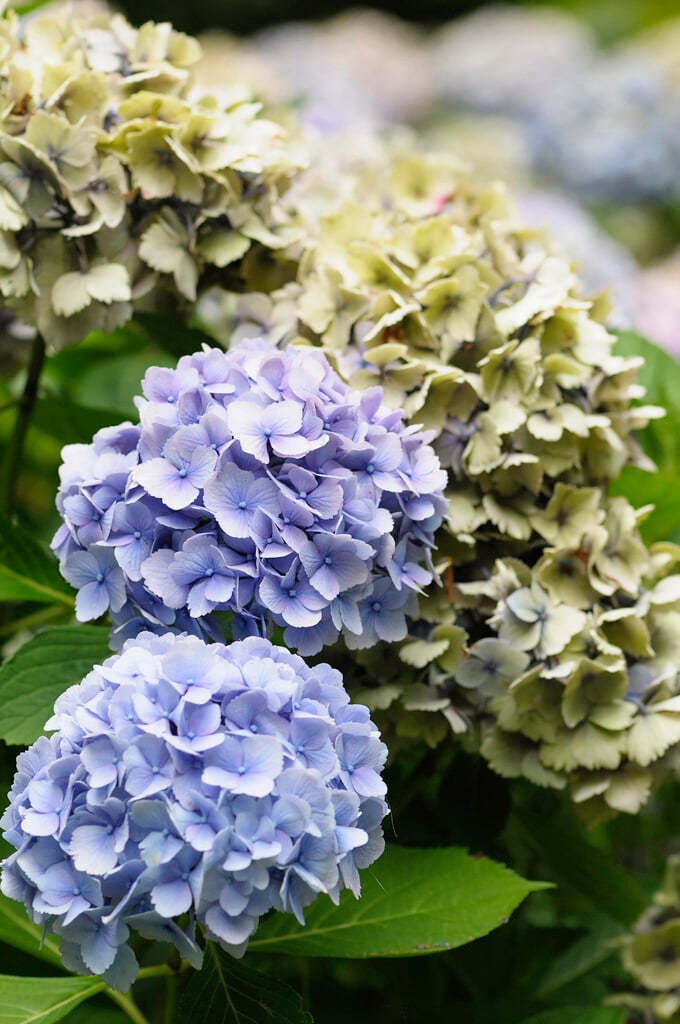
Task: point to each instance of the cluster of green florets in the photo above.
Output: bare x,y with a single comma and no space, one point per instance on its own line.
120,185
652,955
550,643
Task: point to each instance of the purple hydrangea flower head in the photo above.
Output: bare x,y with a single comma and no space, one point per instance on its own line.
191,784
258,489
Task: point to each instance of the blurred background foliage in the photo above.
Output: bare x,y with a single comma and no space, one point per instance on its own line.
611,19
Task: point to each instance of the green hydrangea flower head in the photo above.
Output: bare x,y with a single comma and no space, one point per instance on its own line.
123,185
550,644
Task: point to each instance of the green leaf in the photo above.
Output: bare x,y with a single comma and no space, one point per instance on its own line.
659,489
660,376
579,1015
17,930
28,8
112,383
32,679
42,1000
172,334
413,902
70,423
97,1012
587,870
27,571
227,992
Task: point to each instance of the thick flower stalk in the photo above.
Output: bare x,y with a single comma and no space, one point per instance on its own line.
551,642
191,784
121,185
257,484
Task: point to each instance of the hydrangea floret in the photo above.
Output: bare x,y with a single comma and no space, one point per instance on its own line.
419,278
191,784
257,483
121,185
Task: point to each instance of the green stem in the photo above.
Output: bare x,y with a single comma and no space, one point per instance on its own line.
26,404
162,970
127,1005
170,1008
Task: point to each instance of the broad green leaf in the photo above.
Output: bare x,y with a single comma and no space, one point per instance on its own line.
579,1015
17,930
113,382
70,423
659,489
227,992
413,902
43,1000
97,1012
27,571
32,679
573,860
660,376
582,956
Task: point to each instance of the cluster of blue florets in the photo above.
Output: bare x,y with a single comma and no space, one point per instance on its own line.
191,783
257,483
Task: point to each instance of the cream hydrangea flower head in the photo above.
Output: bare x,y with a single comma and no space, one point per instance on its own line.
120,183
550,642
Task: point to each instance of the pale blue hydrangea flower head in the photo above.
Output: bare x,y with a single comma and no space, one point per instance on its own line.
257,484
191,784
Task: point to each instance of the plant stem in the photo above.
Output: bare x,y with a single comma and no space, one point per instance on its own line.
171,987
26,404
127,1005
162,970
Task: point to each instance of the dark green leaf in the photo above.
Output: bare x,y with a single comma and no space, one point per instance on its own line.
413,902
659,489
112,383
69,423
99,1011
227,992
39,671
573,860
27,571
17,930
579,1015
43,1000
582,956
172,334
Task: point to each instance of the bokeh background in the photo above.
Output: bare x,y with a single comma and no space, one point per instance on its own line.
575,105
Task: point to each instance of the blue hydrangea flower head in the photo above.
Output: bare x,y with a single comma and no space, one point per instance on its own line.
258,484
191,784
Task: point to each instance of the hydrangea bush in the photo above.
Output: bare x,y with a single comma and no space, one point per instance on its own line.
421,460
258,484
191,779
